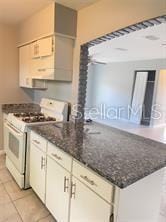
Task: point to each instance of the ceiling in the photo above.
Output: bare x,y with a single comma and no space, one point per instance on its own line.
146,44
14,11
76,4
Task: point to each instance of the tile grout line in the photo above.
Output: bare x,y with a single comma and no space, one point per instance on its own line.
19,197
43,217
12,202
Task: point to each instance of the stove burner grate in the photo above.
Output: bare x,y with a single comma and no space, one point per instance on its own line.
34,117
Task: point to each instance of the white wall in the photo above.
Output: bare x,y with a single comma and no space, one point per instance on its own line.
160,99
106,16
56,90
112,84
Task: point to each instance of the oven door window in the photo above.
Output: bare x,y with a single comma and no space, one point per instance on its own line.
14,145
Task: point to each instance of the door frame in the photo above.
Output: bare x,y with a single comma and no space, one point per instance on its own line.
84,53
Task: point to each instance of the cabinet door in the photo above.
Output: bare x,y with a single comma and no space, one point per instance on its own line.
37,171
24,64
87,206
34,67
45,46
57,190
34,49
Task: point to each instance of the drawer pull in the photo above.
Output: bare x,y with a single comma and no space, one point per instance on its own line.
41,70
91,182
56,156
66,184
37,142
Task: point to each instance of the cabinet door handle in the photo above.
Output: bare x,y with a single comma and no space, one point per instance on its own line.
56,156
112,218
43,162
91,182
66,184
73,190
36,49
27,81
36,141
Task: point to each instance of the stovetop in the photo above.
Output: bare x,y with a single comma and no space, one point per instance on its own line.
33,117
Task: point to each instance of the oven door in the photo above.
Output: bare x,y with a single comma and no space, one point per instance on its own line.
15,146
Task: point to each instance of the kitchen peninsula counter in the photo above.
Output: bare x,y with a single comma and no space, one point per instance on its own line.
121,158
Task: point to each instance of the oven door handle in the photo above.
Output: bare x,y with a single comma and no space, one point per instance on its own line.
13,130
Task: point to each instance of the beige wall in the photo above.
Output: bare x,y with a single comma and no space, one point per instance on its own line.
109,15
40,24
9,87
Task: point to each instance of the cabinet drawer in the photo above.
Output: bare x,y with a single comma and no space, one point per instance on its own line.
96,183
38,141
62,158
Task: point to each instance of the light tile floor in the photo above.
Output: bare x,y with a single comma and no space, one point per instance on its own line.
18,205
155,133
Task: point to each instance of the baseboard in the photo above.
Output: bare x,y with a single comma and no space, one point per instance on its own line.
2,152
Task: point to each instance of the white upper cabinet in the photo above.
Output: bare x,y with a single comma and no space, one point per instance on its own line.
24,67
42,48
43,58
46,47
50,55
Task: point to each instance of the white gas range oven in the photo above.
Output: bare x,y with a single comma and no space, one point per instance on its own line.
16,136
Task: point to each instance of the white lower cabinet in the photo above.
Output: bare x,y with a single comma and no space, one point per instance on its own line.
38,171
57,190
87,206
69,199
74,193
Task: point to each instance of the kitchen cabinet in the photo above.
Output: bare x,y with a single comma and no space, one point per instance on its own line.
24,67
87,206
38,171
55,60
46,52
42,48
53,177
65,195
28,68
49,58
43,58
75,193
57,190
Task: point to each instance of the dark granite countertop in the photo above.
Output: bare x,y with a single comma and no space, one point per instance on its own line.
120,157
19,108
